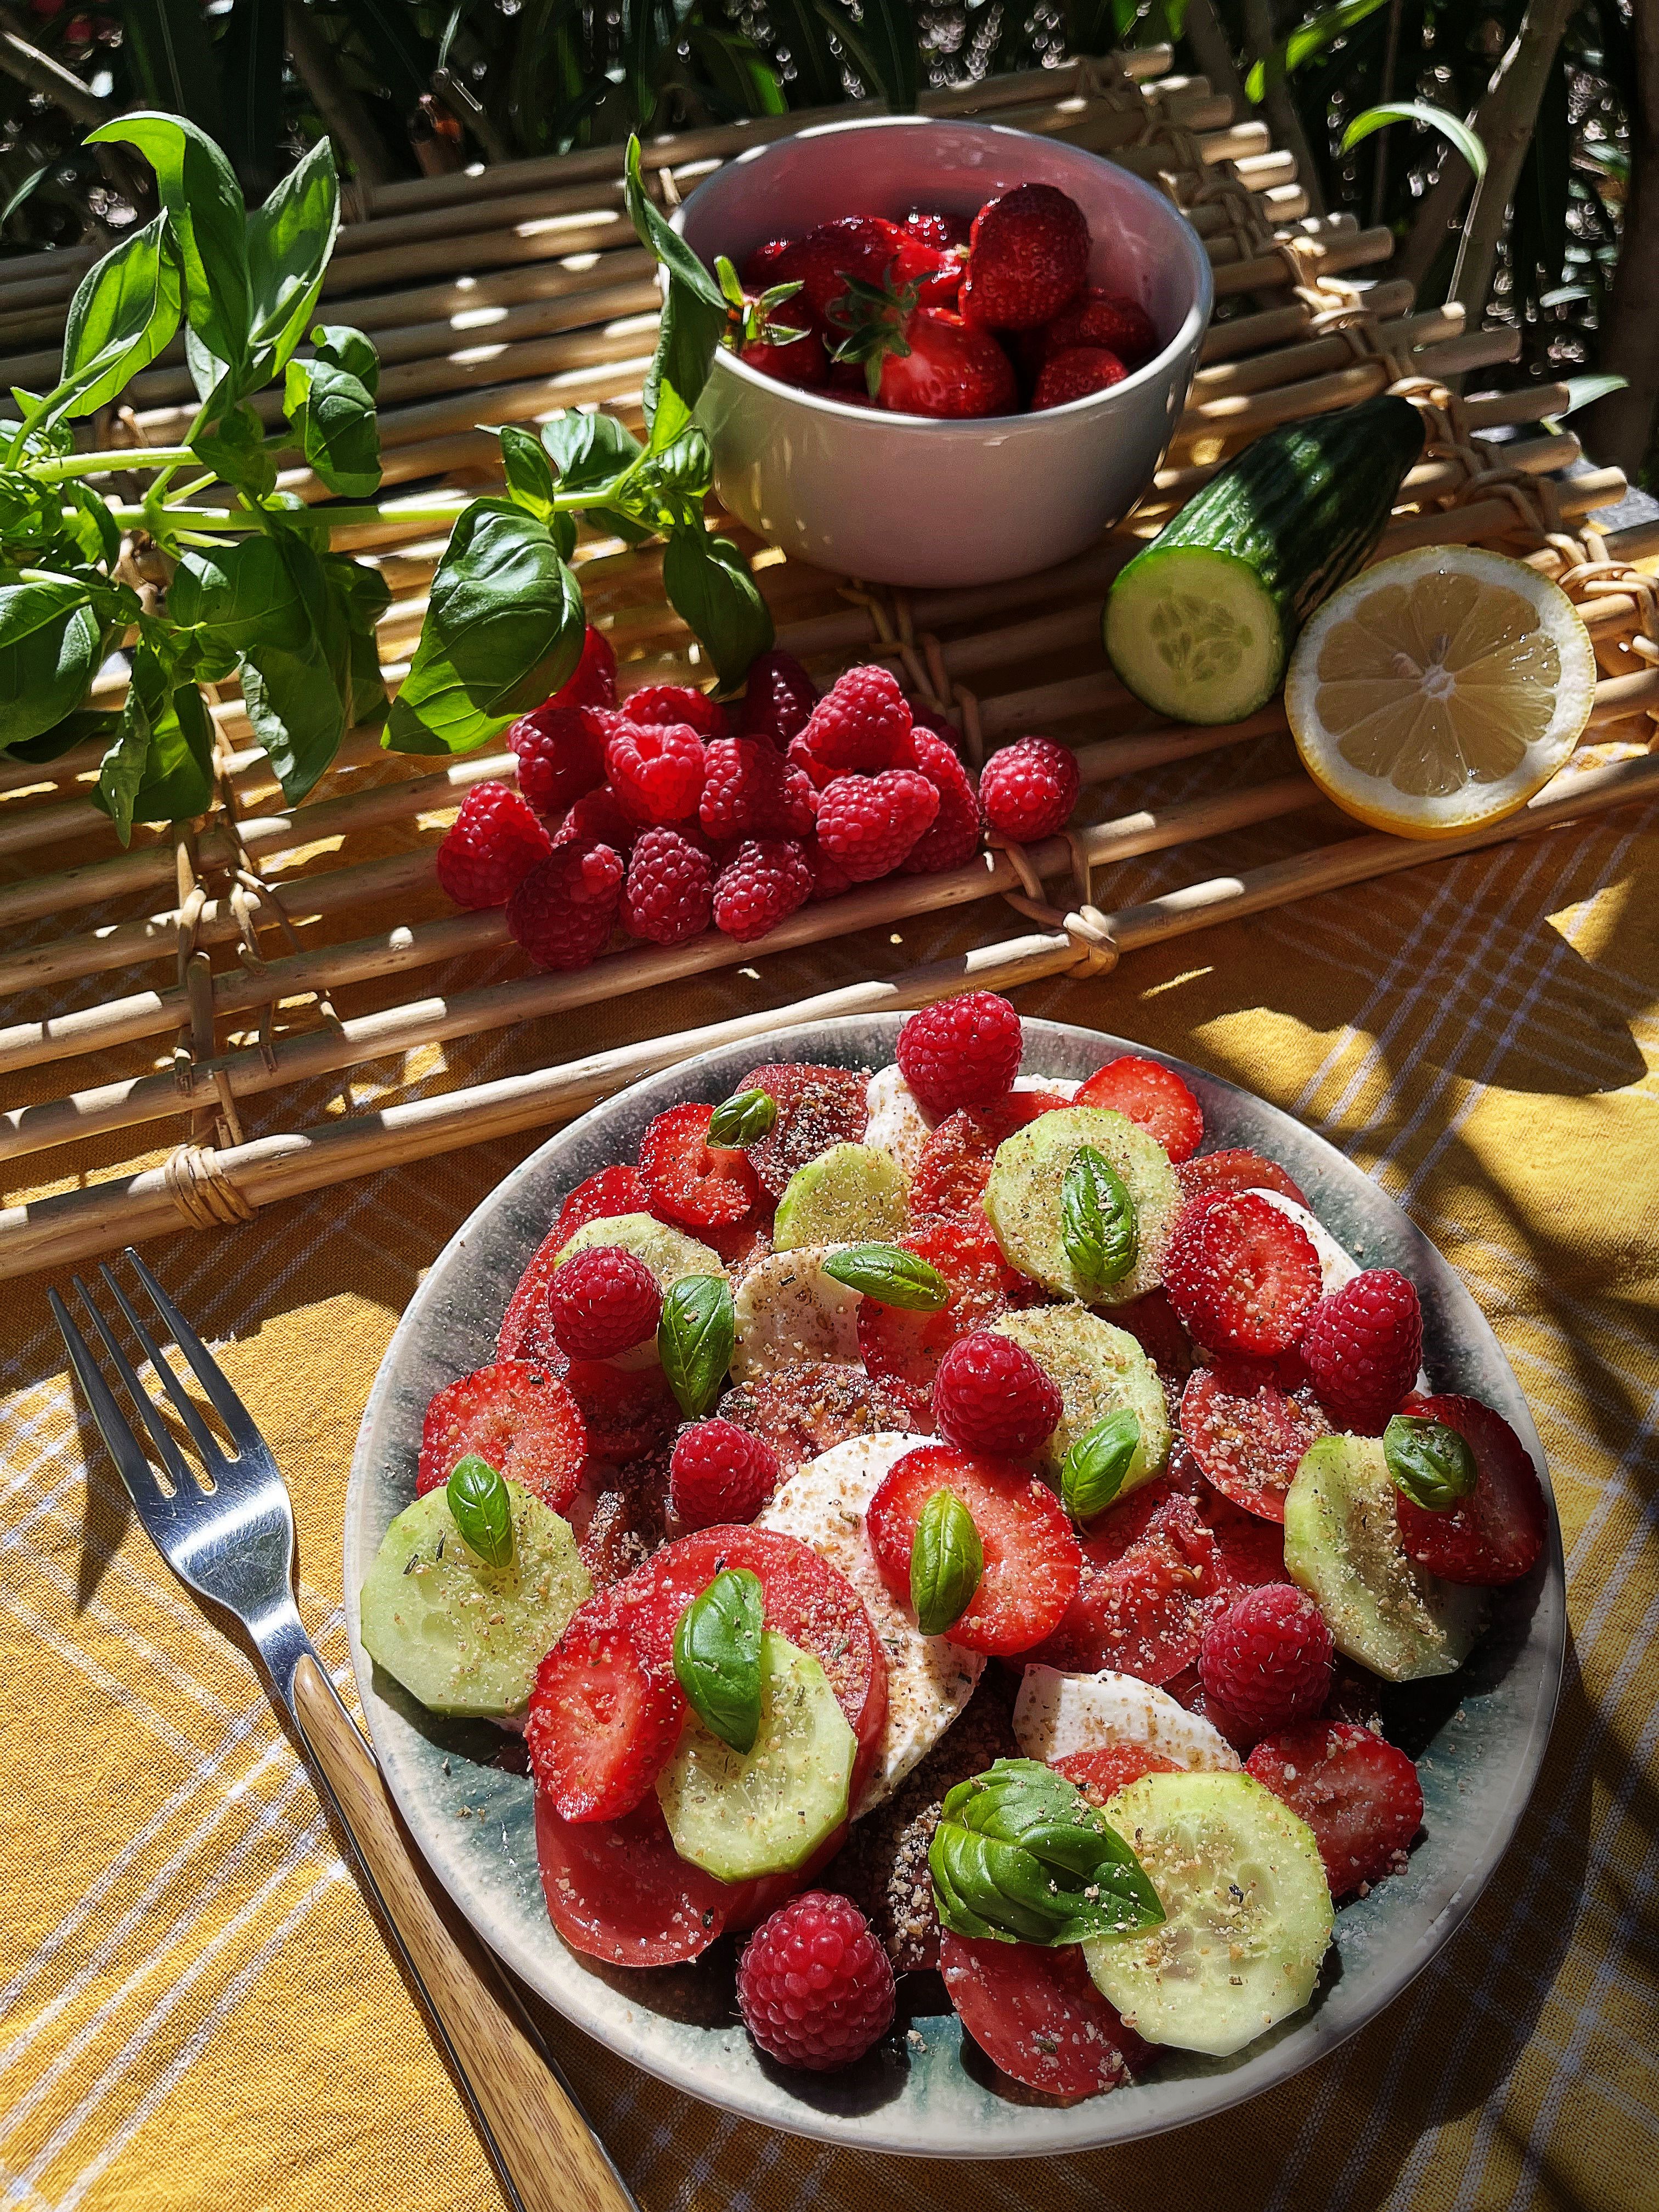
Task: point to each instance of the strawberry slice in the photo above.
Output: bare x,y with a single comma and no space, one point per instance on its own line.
907,1347
692,1181
1248,1434
1100,1774
1248,1550
613,1191
629,1412
1241,1275
1031,1557
600,1725
1035,2013
1147,1567
516,1416
1237,1168
955,1161
1495,1535
817,1107
1360,1796
1152,1097
1156,1327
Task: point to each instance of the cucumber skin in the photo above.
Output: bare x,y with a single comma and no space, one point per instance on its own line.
1301,508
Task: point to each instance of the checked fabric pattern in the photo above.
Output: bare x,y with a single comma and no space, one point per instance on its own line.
195,2008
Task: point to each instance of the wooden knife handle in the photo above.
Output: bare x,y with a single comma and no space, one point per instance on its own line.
544,2146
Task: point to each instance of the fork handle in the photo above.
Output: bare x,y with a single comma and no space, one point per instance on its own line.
545,2148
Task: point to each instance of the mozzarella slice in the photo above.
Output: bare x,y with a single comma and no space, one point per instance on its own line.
1056,1714
786,1309
929,1679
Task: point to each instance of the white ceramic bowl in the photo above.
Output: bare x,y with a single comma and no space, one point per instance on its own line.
898,500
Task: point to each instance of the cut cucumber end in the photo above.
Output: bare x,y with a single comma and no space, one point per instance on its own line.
1196,634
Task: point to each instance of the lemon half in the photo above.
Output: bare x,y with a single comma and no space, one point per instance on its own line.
1439,689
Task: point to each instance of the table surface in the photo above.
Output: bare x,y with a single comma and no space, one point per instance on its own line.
195,2007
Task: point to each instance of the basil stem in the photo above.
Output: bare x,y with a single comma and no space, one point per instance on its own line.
947,1561
1431,1463
891,1275
696,1337
481,1506
743,1119
1097,1219
1093,1472
717,1656
1020,1855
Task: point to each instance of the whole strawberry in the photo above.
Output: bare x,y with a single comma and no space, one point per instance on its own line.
801,360
1075,373
920,360
1027,258
854,247
964,1051
565,908
1363,1348
1095,318
491,847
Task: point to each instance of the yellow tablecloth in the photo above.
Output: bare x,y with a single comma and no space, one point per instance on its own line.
194,2008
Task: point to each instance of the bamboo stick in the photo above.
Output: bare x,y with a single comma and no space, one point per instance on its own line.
1240,335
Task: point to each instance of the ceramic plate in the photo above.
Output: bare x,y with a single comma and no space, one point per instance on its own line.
926,2089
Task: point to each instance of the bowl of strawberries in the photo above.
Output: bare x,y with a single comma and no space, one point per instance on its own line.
987,351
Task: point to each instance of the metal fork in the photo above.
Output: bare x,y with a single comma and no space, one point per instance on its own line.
226,1529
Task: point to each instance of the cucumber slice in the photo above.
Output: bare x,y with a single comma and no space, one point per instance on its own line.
1247,1913
669,1253
462,1637
851,1194
1022,1199
1342,1545
737,1815
1097,1369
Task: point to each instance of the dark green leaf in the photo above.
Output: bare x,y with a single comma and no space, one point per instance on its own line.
50,644
665,242
737,71
343,347
84,727
121,771
1092,1473
891,1275
273,607
1097,1219
358,597
332,413
481,1506
717,1656
529,472
947,1561
89,525
250,55
743,1119
690,330
1308,38
199,191
695,1338
1019,1854
234,448
290,241
710,585
1429,1462
589,449
241,593
178,780
124,310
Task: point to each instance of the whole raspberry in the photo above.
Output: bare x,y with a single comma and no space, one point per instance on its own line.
1028,790
719,1472
596,819
750,792
801,757
1074,373
1363,1348
592,682
815,1987
656,771
1268,1658
563,911
990,1396
954,837
561,754
779,701
761,885
602,1300
665,899
871,823
862,725
491,847
666,703
964,1052
830,879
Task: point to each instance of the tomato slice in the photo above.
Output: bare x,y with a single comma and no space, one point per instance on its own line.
1034,2012
1495,1535
618,1890
1248,1433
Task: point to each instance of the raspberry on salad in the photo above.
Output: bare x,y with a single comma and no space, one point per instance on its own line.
691,1181
603,1301
1152,1097
1028,789
1360,1796
861,726
667,895
764,883
656,770
513,1415
490,847
869,824
814,1986
990,1396
1363,1348
1268,1658
564,910
1241,1275
720,1472
965,1051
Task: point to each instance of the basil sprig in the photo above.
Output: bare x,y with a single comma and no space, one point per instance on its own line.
1097,1219
742,1119
947,1561
891,1276
1431,1463
696,1337
1093,1472
1020,1855
481,1506
717,1656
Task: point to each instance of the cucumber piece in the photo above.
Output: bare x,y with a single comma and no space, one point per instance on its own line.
1097,1369
1022,1199
851,1194
1200,623
1342,1545
669,1253
738,1814
1247,1913
462,1637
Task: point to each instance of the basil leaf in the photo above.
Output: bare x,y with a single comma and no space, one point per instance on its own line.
696,1336
947,1561
891,1275
1097,1219
124,311
240,593
234,448
342,347
83,728
658,235
717,1656
290,242
1092,1473
503,629
199,192
1019,1854
528,471
358,597
709,583
49,648
589,450
481,1506
1429,1462
743,1119
332,412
